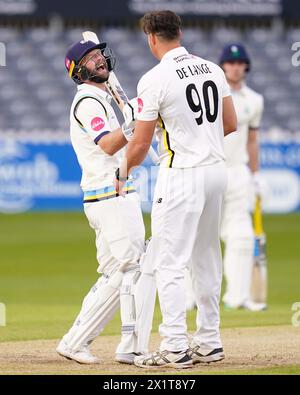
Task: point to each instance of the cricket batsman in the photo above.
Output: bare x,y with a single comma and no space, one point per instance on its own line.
98,141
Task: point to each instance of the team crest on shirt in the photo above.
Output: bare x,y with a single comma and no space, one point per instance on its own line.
140,104
97,124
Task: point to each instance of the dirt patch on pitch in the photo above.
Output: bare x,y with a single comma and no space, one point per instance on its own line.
245,349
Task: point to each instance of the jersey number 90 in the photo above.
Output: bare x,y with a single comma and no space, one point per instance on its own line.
196,105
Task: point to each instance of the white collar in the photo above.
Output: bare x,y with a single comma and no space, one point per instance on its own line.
174,52
95,89
241,91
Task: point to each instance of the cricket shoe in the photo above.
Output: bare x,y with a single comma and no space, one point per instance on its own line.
249,305
164,359
127,358
254,306
199,354
83,356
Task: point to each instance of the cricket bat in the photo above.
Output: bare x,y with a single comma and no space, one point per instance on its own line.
117,92
259,274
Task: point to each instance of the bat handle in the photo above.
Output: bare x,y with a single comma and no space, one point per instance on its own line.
258,227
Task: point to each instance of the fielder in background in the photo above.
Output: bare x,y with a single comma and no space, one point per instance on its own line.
242,160
244,265
98,140
191,99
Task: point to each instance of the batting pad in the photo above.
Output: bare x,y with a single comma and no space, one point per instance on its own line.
97,309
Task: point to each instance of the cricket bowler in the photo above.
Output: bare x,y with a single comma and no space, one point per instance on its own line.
190,98
98,141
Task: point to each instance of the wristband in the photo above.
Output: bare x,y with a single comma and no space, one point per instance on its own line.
127,131
122,179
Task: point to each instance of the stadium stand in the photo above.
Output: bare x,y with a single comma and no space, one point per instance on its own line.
36,93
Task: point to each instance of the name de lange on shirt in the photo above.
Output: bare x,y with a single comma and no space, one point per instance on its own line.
195,69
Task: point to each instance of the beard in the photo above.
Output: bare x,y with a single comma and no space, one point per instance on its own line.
98,79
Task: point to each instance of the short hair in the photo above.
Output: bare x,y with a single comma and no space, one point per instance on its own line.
165,24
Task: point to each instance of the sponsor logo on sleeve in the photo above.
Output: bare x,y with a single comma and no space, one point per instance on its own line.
140,104
97,124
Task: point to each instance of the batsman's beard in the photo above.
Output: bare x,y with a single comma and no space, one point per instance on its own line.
95,77
98,79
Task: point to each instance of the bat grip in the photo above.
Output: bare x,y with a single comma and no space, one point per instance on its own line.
258,227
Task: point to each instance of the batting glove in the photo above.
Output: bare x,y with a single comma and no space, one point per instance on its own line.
258,184
130,112
127,131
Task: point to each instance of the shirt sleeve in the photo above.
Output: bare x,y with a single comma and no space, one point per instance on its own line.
148,100
256,119
93,118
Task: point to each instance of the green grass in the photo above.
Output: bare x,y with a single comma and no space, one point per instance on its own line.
48,263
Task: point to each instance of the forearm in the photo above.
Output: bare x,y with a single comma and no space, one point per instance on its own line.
135,154
136,151
253,152
229,116
113,142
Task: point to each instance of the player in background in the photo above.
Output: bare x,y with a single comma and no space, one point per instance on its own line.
242,161
190,98
98,140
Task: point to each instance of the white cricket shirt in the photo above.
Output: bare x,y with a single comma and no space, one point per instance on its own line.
91,117
186,92
249,108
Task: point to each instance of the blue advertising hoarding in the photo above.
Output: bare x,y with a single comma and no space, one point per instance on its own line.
280,163
38,175
43,174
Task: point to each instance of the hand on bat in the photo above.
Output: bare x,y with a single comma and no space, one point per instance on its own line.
130,111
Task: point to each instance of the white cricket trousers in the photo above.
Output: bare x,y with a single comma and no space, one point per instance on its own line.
237,233
120,242
185,233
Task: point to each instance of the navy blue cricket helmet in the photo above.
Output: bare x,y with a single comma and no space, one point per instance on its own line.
234,52
77,51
